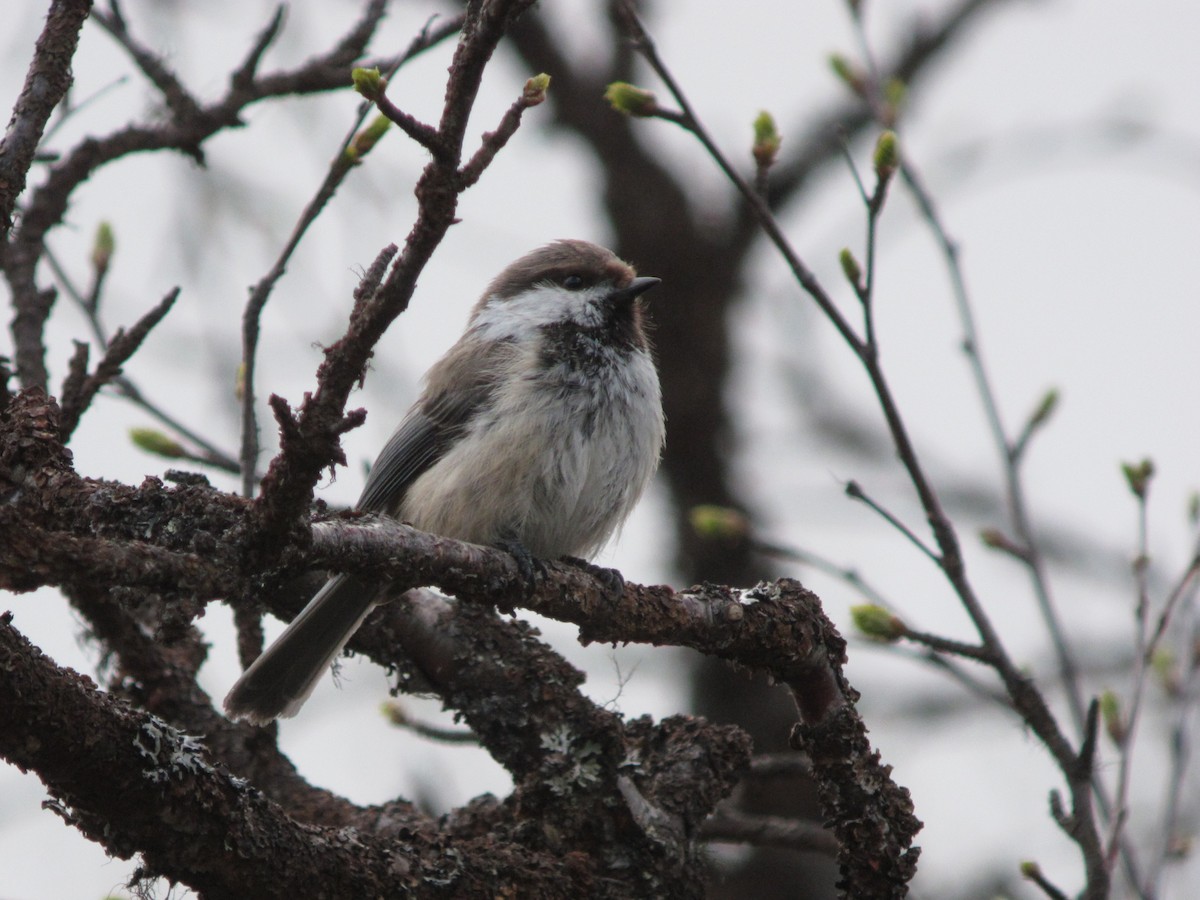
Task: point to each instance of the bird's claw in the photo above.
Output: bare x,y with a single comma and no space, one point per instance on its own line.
613,581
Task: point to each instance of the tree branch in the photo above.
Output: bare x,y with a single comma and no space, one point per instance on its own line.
123,345
137,785
46,82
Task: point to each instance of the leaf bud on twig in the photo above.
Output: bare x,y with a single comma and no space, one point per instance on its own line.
103,247
766,140
154,441
887,156
367,138
1045,409
1114,723
878,623
713,522
1138,476
630,99
850,268
848,73
535,89
368,82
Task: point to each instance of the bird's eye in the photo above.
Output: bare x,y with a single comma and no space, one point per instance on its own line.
573,282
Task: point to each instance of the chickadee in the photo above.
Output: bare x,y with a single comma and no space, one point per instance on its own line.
537,431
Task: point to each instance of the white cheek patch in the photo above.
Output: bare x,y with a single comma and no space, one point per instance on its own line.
521,316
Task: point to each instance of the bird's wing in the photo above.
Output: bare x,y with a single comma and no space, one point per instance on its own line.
457,387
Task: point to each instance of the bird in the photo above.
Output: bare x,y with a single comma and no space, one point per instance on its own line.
536,432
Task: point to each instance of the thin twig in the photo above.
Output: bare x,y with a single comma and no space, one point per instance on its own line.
1187,582
852,577
123,345
730,826
946,645
854,489
1120,806
179,100
1011,452
494,141
243,77
425,135
125,387
252,314
1181,752
1032,872
397,715
1026,698
339,168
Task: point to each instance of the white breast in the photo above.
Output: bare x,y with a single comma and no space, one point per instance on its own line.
557,463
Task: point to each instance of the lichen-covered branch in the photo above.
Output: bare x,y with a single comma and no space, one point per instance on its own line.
185,544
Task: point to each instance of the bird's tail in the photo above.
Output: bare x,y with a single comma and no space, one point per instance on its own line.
280,680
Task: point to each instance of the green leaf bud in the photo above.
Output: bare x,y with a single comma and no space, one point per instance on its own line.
850,267
713,522
877,622
630,99
1138,476
887,155
368,82
103,247
535,89
766,140
154,441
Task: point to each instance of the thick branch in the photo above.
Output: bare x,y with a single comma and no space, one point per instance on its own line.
135,784
569,757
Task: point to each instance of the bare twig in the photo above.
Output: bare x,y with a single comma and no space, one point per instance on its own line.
48,203
946,645
208,453
184,107
425,135
1187,583
344,160
287,488
120,349
1011,452
729,826
397,715
261,292
929,654
854,490
243,77
1026,698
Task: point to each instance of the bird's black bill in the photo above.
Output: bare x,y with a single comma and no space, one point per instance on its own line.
637,287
